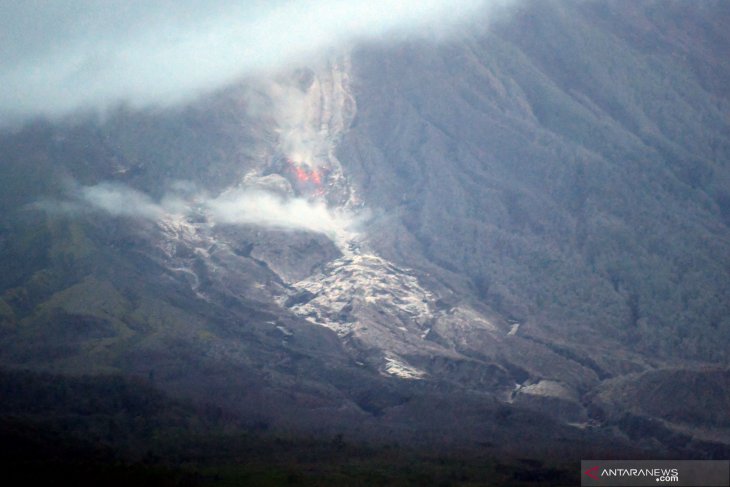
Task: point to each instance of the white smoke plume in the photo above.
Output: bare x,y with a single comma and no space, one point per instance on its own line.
235,207
293,112
119,200
270,210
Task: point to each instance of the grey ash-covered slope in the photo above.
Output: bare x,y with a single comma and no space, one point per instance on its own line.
547,238
571,165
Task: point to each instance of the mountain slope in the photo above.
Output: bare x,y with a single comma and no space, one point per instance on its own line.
450,241
572,165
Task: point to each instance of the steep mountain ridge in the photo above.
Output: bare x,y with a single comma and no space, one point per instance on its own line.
520,177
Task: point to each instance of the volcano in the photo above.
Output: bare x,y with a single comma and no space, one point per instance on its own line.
503,250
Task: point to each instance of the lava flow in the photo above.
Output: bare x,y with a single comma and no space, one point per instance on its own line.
307,179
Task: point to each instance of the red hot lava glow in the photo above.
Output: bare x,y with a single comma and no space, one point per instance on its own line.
305,174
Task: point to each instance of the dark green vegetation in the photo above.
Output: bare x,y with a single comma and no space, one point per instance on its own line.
110,431
573,163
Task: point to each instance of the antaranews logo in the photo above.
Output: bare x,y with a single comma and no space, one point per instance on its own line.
661,474
592,472
656,472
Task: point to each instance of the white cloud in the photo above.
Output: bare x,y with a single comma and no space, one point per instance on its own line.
58,56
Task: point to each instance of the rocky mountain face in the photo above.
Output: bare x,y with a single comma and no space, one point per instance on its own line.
526,224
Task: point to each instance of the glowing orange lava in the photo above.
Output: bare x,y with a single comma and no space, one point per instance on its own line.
301,174
315,177
305,175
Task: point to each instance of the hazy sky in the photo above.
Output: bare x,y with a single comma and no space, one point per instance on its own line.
57,56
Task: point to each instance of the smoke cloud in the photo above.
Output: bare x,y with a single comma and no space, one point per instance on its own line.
60,56
235,207
268,209
294,115
119,200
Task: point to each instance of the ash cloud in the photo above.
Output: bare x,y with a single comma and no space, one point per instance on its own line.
292,111
119,200
267,209
61,56
234,207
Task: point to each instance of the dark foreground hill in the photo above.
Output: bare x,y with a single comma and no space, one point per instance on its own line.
112,431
